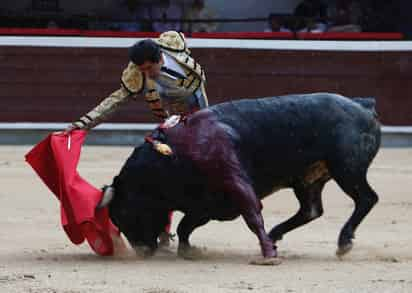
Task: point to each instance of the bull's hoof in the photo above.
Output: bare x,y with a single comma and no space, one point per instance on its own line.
190,252
164,239
266,261
143,251
344,249
275,236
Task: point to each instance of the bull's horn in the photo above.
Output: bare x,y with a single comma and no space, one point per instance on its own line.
108,193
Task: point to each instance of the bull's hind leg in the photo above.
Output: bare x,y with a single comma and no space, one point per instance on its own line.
310,200
348,165
186,226
357,187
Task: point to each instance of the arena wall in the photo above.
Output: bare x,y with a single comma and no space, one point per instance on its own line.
60,83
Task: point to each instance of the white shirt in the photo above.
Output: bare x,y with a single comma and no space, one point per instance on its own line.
167,82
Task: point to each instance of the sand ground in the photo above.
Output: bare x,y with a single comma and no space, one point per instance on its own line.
36,256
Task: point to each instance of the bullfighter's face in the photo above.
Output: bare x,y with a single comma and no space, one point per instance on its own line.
151,69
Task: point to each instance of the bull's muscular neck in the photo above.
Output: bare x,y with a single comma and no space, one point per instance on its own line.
163,180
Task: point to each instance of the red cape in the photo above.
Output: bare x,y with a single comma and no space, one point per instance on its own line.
55,160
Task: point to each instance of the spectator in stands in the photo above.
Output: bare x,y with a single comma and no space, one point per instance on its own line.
311,8
276,24
121,16
198,11
52,24
311,15
405,19
162,13
380,15
344,16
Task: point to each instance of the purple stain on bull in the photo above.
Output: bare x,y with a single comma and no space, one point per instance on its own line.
230,156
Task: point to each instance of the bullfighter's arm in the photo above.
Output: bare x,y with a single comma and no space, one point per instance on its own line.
152,98
102,111
132,83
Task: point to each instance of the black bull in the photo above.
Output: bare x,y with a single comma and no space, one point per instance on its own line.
230,156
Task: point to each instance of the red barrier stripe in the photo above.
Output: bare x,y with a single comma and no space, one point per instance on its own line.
74,32
349,36
215,35
39,32
117,34
243,35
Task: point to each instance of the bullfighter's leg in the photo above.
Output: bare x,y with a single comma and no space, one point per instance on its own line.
186,226
310,200
357,187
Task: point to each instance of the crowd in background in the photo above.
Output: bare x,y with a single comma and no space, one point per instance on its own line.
339,16
130,15
163,15
315,16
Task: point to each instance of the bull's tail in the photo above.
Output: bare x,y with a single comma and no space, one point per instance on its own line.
367,103
370,141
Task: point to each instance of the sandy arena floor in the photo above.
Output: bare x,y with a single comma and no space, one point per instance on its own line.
36,256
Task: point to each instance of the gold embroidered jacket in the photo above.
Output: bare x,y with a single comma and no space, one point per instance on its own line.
134,84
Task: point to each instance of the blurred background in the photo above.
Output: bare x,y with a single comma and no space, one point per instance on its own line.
210,15
59,58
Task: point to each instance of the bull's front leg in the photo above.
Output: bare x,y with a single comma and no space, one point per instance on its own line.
220,164
186,226
243,195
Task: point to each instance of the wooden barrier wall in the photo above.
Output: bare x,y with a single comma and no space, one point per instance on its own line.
46,84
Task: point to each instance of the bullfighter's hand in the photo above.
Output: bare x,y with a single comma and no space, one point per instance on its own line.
70,128
66,131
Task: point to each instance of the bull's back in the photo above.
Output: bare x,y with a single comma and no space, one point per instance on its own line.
280,136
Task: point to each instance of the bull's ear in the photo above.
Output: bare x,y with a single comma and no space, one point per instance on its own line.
108,194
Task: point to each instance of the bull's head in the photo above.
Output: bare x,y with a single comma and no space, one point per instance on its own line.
135,203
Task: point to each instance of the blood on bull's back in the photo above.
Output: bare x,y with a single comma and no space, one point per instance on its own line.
278,137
